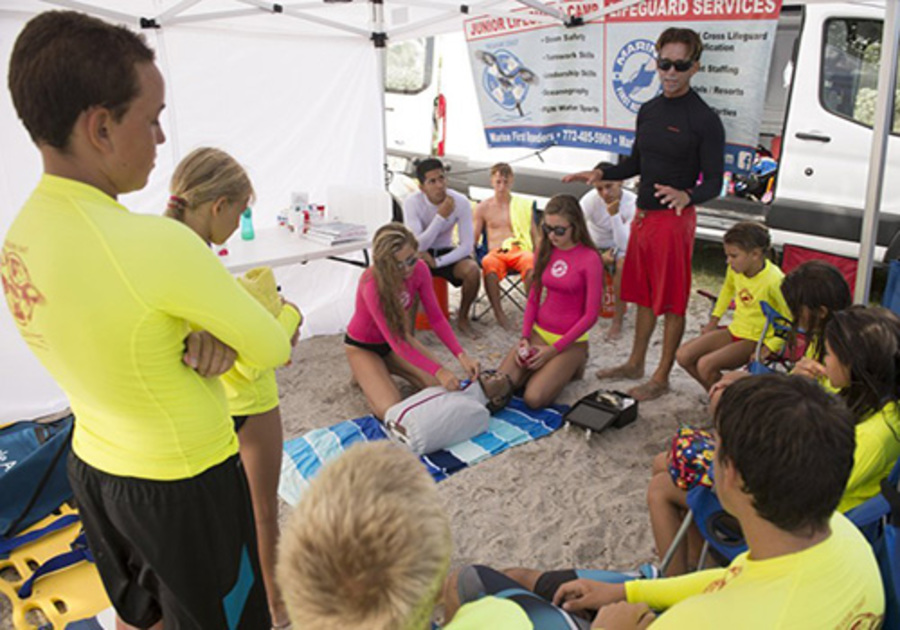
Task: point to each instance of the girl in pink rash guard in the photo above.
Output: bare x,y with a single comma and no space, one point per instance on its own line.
569,273
377,342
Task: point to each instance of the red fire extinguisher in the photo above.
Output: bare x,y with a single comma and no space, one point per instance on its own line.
439,119
608,305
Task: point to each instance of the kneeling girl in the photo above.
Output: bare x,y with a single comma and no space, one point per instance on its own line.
378,342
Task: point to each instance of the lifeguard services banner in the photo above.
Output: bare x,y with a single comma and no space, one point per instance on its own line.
543,84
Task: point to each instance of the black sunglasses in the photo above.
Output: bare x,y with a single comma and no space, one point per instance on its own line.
680,65
409,262
558,230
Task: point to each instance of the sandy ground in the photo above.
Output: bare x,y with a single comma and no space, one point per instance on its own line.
558,502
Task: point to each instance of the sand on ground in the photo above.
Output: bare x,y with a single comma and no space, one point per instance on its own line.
560,501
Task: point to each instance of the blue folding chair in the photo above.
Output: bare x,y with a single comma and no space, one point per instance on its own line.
891,297
782,361
879,520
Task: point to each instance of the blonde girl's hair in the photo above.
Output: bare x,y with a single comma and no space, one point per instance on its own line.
368,546
568,208
390,239
204,175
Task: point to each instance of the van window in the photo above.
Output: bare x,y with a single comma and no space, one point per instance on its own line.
780,71
409,65
849,81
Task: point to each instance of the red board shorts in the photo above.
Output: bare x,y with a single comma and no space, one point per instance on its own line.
500,261
657,272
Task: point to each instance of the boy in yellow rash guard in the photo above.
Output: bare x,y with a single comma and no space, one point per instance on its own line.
807,589
111,329
354,514
783,457
750,280
106,299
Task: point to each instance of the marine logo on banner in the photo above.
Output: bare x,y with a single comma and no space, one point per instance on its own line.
634,79
505,79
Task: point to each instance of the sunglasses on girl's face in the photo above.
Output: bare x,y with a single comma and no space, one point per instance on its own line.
680,65
559,230
409,262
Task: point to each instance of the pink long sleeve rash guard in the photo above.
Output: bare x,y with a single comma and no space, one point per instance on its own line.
368,324
573,281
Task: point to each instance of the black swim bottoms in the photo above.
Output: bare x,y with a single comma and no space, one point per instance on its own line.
183,550
381,349
239,422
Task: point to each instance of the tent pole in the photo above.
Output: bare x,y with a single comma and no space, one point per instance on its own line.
165,16
346,28
884,108
379,37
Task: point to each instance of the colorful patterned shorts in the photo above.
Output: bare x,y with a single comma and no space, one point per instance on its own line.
690,457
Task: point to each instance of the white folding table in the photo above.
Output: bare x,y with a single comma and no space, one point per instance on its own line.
277,246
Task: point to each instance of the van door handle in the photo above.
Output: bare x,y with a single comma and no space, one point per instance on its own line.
800,135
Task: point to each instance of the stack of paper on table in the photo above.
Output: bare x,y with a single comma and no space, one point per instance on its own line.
336,232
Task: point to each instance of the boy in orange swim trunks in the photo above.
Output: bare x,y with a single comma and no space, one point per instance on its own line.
510,234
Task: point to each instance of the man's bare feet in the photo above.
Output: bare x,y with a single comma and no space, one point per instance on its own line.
621,371
466,326
649,390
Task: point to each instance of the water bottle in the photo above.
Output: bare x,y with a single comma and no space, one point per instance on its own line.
247,225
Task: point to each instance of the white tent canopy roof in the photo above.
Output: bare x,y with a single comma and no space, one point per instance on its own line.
398,19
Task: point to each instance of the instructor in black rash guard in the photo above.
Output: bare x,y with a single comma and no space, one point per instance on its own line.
678,140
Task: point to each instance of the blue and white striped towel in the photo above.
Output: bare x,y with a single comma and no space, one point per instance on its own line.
514,425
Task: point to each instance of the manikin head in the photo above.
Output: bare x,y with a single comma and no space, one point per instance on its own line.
498,387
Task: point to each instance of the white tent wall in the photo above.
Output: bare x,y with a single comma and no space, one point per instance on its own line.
302,112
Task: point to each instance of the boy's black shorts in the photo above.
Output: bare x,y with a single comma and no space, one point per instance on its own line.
445,272
183,551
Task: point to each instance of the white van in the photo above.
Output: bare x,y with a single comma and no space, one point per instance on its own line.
820,103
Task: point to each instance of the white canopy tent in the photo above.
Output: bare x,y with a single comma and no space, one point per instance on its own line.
294,91
300,108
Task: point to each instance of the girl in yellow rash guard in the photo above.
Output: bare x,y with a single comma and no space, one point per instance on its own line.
202,187
862,354
815,291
